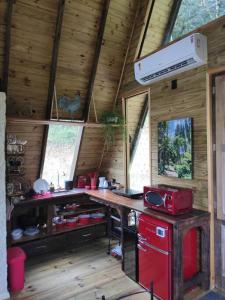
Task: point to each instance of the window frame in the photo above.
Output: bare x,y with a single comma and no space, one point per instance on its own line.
128,156
76,150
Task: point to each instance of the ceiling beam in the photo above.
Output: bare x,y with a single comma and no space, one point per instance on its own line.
55,52
171,21
8,20
96,59
151,6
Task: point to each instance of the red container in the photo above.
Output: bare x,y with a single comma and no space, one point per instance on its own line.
84,221
16,258
71,224
97,219
59,226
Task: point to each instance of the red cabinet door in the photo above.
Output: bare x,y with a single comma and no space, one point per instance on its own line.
155,267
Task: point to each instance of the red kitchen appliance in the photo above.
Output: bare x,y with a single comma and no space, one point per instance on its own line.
171,200
155,256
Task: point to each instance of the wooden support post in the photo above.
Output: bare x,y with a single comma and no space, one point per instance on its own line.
8,21
55,51
171,21
151,6
96,59
126,55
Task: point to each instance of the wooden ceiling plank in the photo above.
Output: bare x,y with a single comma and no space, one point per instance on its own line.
9,11
96,58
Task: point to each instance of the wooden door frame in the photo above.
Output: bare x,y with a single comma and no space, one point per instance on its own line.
126,141
210,75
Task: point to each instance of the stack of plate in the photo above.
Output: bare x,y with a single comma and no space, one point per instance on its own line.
31,231
17,234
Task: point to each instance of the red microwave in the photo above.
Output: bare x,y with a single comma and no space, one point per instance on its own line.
168,199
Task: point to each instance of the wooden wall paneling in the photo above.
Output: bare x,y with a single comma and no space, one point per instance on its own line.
79,34
3,8
220,145
210,160
188,100
7,45
115,39
31,43
32,32
33,135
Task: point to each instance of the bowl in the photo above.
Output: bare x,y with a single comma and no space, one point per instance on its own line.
17,234
84,219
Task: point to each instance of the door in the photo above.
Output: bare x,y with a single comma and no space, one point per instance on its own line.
155,270
219,177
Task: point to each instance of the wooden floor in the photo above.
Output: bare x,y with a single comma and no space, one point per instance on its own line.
85,273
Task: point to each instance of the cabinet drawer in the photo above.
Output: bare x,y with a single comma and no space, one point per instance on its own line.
64,240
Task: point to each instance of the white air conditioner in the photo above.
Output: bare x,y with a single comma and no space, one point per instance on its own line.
186,54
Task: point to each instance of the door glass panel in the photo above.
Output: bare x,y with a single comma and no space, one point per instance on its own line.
138,152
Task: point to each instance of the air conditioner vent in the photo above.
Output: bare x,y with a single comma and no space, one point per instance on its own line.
170,69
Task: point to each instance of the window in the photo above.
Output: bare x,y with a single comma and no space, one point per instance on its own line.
138,142
195,13
139,165
61,153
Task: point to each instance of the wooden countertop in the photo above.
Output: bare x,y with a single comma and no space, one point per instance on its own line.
138,205
108,197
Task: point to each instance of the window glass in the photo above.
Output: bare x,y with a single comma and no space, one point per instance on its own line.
61,153
195,13
139,165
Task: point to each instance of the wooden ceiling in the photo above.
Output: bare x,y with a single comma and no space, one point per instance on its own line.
33,29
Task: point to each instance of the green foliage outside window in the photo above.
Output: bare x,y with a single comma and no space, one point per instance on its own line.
195,13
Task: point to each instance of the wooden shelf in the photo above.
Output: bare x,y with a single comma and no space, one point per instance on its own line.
80,211
55,231
26,121
26,238
44,234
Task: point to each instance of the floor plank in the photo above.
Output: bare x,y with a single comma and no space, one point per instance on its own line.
85,273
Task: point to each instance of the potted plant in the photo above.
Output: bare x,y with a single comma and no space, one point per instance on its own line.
113,121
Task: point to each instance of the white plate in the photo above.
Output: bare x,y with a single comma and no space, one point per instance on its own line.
40,185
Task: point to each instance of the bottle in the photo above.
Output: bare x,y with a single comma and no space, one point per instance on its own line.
51,188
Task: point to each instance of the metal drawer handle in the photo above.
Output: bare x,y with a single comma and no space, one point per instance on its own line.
40,247
141,248
86,235
141,237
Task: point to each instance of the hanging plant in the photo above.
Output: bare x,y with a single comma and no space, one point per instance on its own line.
110,119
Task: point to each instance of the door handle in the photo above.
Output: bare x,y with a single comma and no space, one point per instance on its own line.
141,248
141,237
86,235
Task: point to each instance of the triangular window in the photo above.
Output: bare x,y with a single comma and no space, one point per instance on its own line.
61,153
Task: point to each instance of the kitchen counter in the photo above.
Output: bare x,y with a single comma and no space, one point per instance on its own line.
180,225
107,197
